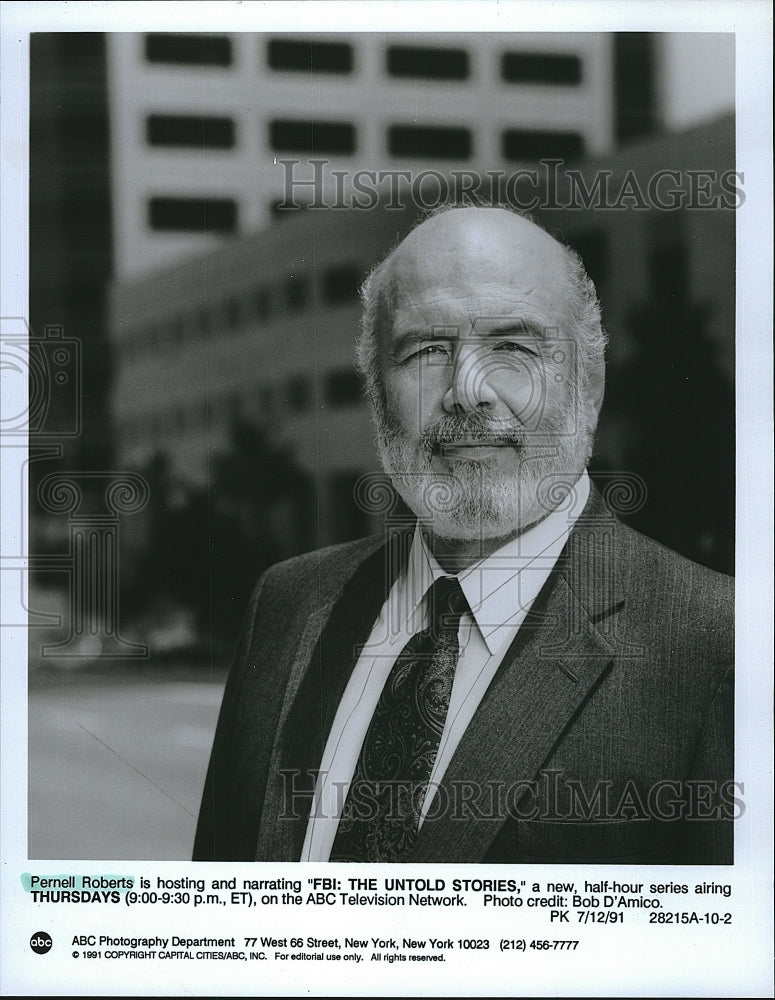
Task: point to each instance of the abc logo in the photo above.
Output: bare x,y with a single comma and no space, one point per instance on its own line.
41,942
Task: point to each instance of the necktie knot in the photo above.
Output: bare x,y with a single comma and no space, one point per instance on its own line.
447,603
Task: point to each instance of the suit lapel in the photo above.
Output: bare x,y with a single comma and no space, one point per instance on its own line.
562,651
323,663
275,840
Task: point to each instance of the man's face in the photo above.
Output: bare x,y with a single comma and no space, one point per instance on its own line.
481,423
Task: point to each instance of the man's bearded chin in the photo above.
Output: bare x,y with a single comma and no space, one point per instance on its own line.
462,499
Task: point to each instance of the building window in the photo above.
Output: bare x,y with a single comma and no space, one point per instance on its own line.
540,67
426,63
205,215
296,292
311,136
343,387
298,393
634,85
535,144
280,209
299,56
433,141
188,50
341,284
191,131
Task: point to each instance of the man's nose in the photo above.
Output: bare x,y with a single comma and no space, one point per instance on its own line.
470,387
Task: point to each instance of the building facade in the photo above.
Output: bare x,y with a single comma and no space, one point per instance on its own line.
207,131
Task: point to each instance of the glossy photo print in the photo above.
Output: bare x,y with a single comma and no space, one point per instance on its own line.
378,574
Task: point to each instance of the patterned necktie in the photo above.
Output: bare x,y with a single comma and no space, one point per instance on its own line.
381,814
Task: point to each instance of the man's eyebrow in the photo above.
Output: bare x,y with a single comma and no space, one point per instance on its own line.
512,328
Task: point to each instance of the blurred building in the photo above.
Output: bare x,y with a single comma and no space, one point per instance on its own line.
662,255
204,127
202,123
70,266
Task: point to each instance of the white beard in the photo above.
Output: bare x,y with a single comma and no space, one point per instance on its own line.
477,499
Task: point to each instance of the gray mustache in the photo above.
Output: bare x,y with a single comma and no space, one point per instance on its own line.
471,427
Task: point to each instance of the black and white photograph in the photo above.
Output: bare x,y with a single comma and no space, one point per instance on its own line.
385,434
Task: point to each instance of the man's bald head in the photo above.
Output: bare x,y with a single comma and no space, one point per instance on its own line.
468,244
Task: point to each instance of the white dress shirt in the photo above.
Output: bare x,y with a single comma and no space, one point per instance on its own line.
500,590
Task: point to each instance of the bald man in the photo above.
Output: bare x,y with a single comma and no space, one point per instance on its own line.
518,677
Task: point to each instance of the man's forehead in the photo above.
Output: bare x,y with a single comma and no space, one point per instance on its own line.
481,262
480,301
471,236
454,313
470,305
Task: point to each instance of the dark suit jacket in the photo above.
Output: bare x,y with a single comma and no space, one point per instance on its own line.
605,735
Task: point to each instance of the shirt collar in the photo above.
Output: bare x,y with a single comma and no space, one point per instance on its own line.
501,587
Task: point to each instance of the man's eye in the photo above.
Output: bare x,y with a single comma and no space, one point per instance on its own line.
435,352
513,347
